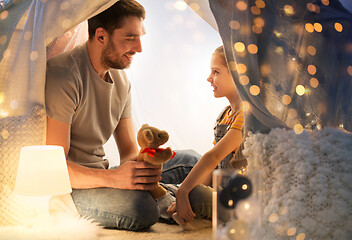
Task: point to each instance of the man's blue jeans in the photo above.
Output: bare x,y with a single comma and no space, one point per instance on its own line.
133,209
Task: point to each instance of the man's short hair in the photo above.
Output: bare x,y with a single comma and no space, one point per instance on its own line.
112,18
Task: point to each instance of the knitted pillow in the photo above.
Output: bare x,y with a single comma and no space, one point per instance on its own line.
16,132
307,188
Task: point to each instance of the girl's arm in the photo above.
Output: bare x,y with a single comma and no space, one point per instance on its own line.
202,169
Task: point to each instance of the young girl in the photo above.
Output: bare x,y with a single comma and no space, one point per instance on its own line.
227,137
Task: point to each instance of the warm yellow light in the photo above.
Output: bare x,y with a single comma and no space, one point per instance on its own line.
254,90
265,69
314,82
301,236
291,231
325,2
318,27
256,29
309,27
311,50
289,10
252,48
312,69
338,27
4,15
255,10
241,68
246,105
234,24
286,99
259,22
260,3
244,186
239,46
300,90
241,5
42,171
244,80
180,5
5,134
298,128
349,70
273,218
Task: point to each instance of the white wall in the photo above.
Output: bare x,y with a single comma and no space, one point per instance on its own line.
169,87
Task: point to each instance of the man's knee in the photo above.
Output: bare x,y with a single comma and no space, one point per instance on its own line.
122,209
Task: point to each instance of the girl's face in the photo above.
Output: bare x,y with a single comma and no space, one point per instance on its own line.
220,78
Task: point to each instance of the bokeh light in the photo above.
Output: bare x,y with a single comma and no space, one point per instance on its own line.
286,99
244,80
298,128
33,55
312,69
180,5
255,10
309,27
289,10
252,48
318,27
301,236
311,50
291,231
338,27
241,5
314,82
5,134
300,90
260,3
349,70
234,24
4,15
254,90
325,2
65,5
239,47
241,68
273,218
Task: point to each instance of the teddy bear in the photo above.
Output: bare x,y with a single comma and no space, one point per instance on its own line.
149,139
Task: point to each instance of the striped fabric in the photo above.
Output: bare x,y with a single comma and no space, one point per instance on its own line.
234,119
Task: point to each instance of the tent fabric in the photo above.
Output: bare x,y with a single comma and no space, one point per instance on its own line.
26,29
291,61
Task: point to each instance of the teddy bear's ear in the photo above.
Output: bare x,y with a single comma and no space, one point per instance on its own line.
148,135
145,125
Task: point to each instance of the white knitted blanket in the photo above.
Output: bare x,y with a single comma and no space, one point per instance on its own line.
307,190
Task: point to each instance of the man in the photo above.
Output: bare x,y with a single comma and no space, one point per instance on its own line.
88,99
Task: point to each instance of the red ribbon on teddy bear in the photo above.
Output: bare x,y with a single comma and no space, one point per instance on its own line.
151,151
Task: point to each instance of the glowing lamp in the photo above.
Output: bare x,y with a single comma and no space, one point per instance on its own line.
43,180
42,171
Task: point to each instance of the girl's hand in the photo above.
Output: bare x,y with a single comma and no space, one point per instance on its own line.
182,207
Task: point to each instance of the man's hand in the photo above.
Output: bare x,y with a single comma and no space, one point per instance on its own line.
134,175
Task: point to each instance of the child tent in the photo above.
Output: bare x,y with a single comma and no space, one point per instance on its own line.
292,65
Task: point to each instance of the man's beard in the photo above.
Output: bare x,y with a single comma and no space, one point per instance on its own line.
108,59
